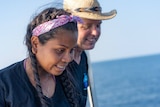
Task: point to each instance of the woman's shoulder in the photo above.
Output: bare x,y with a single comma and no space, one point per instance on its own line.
9,70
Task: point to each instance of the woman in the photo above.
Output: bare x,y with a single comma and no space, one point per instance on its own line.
50,39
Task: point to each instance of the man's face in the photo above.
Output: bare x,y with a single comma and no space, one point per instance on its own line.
88,33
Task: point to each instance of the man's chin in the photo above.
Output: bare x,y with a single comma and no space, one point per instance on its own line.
90,47
87,46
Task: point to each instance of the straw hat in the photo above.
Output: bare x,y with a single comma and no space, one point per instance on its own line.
89,9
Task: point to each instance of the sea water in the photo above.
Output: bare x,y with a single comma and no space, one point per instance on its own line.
130,82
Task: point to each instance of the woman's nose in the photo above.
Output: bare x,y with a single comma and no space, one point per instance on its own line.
68,57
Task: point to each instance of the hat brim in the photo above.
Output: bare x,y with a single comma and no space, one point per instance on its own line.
96,16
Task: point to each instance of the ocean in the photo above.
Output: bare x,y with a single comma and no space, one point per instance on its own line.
130,82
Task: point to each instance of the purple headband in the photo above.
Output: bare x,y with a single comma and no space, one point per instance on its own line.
47,26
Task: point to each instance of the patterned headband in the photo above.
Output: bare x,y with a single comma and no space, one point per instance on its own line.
47,26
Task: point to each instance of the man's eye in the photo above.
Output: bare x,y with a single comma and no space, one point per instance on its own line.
85,26
99,25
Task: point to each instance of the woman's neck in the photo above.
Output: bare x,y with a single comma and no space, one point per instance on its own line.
42,73
47,80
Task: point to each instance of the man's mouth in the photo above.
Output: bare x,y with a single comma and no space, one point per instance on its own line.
92,39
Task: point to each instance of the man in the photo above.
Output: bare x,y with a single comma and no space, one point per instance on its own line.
88,33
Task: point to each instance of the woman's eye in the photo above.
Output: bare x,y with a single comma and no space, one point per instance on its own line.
72,50
59,51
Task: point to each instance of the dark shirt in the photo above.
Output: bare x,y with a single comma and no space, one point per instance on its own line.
17,91
78,71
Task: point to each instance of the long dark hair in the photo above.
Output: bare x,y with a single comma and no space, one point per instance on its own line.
44,16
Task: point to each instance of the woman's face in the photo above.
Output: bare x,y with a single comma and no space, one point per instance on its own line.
55,54
88,33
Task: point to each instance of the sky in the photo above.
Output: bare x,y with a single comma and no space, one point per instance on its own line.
135,31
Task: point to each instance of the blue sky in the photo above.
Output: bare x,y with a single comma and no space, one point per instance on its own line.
135,31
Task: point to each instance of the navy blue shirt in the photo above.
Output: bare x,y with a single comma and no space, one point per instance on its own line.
79,71
17,91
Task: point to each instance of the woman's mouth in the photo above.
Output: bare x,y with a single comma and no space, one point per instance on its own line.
61,67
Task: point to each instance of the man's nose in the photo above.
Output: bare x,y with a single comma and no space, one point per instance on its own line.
95,31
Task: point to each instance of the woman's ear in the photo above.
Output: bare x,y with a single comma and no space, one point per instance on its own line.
34,42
